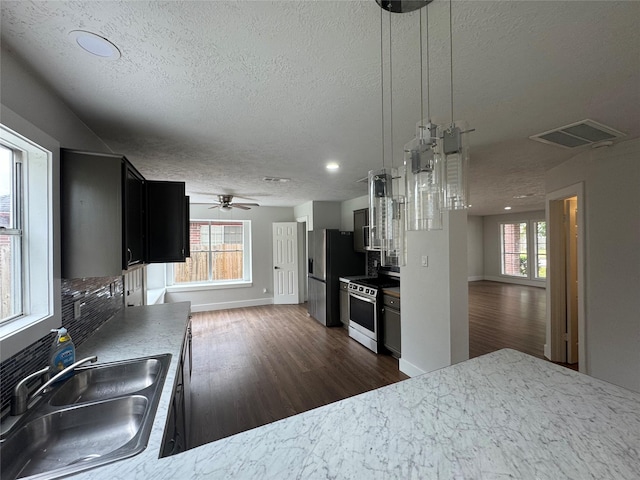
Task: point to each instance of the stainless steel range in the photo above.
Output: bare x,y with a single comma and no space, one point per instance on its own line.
364,309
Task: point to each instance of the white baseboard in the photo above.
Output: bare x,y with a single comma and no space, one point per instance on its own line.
409,369
208,307
475,278
517,281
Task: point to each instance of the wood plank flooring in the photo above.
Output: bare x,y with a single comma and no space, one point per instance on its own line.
253,366
503,315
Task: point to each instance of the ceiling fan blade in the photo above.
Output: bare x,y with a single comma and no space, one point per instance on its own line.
240,206
215,206
245,204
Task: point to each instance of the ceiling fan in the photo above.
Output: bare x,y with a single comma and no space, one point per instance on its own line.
226,203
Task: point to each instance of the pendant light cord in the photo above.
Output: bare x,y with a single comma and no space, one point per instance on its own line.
391,90
451,52
382,84
428,69
421,71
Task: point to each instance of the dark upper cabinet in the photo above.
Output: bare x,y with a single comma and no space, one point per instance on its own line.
360,229
105,223
134,216
167,222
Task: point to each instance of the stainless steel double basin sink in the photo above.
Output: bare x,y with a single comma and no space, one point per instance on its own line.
102,414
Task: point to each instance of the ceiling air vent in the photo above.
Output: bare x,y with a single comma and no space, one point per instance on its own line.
586,132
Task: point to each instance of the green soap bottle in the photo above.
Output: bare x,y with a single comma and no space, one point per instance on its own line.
63,353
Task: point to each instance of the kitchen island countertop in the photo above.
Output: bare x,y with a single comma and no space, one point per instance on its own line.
502,415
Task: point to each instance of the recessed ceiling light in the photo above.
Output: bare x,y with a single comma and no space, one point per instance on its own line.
95,44
526,195
507,208
332,166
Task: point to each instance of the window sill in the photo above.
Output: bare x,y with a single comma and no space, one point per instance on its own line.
23,331
197,287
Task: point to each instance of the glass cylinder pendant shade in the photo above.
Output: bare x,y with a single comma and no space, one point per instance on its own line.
394,253
380,208
456,166
424,188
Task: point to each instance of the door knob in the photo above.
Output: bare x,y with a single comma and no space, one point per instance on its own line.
276,268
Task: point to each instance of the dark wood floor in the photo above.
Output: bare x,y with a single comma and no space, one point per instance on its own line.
503,315
253,366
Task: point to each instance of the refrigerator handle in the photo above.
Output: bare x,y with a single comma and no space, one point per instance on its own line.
311,265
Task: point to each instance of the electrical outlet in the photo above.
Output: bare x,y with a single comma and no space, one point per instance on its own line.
425,260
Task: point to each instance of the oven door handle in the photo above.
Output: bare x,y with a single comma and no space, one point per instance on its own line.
364,299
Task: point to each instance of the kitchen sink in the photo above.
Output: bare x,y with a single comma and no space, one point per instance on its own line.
102,414
108,381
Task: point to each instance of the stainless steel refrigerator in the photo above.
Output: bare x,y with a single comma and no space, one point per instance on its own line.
331,256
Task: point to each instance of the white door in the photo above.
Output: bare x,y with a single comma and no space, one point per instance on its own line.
285,263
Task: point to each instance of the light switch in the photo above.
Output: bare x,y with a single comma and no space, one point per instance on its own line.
425,260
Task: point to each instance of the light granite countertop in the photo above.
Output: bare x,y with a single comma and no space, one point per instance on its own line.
502,415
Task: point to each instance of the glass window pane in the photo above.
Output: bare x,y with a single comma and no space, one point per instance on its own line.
217,253
6,188
541,249
514,249
10,276
194,269
227,265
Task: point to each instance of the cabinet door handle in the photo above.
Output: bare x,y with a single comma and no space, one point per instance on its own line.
130,255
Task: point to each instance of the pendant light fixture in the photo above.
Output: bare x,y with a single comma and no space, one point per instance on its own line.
386,206
454,149
423,161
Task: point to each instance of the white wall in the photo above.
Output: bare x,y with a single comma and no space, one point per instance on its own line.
262,260
611,179
435,321
35,102
346,211
475,248
492,252
30,108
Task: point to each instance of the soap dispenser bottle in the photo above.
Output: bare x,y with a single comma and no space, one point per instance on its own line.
63,353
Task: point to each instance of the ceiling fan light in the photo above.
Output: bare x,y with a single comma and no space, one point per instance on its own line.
225,208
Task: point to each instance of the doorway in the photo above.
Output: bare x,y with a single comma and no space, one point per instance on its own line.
565,276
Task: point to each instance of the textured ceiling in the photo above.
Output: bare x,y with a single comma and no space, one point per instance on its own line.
223,94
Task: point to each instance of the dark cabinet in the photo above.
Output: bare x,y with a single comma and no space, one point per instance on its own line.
167,222
113,219
344,303
102,214
177,429
391,324
361,230
133,239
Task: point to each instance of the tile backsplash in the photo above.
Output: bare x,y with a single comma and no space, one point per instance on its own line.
100,299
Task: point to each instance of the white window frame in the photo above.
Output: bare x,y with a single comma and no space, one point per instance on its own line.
40,285
247,279
532,252
536,250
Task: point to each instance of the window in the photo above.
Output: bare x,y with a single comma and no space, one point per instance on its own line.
541,249
220,254
514,249
10,235
518,240
29,291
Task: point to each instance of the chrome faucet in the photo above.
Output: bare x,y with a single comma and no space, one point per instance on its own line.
21,398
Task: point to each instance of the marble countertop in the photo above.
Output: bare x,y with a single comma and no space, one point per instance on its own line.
502,415
139,332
